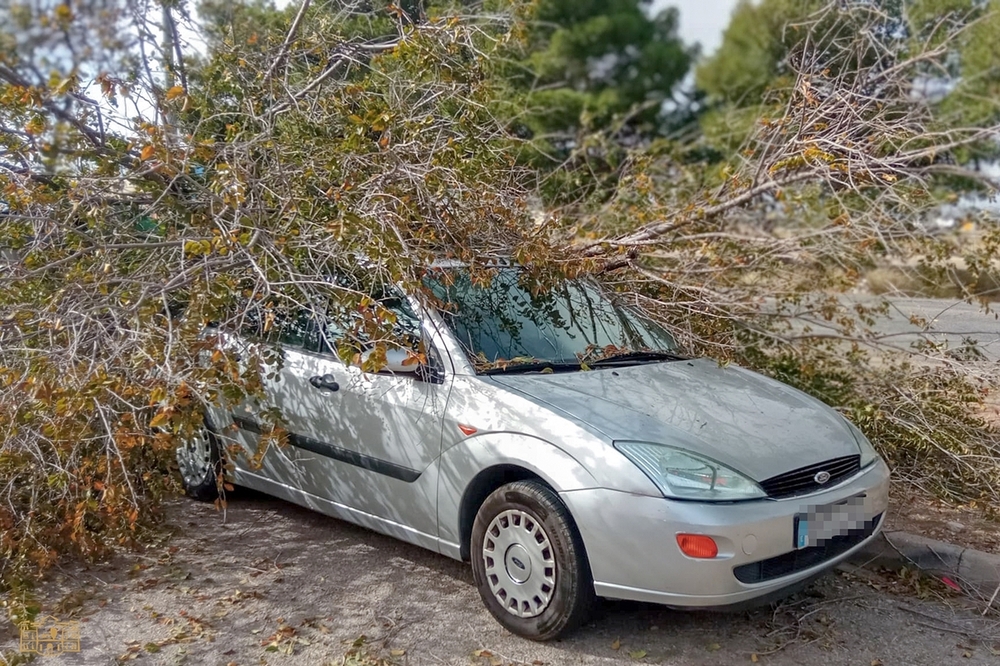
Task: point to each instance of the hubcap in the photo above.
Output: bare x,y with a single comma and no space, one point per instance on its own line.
194,458
520,565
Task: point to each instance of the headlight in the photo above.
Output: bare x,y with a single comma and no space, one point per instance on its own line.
868,453
683,475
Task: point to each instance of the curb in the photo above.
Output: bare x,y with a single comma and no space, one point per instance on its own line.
971,569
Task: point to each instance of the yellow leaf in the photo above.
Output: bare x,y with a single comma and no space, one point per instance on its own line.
617,644
157,395
754,658
64,13
35,126
174,93
161,418
146,153
637,654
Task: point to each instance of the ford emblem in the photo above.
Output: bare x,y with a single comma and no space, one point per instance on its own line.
821,477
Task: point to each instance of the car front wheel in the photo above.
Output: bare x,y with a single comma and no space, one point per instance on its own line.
529,563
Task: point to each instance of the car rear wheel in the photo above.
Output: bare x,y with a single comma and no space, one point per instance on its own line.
529,563
200,463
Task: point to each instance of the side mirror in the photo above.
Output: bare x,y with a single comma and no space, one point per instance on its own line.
399,362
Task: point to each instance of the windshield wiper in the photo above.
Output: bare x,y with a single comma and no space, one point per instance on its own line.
636,357
534,366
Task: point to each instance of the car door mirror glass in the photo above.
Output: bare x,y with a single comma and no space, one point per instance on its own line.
397,361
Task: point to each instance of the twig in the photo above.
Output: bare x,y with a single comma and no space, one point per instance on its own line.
992,599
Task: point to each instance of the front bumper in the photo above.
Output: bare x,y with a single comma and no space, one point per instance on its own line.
632,546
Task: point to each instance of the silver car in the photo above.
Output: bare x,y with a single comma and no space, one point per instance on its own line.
561,443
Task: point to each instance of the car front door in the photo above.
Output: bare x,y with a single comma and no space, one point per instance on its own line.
366,442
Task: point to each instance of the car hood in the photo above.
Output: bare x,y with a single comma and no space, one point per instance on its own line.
754,424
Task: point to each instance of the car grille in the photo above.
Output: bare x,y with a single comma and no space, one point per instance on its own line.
800,560
803,480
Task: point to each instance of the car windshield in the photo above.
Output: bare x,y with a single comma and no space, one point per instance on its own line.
503,325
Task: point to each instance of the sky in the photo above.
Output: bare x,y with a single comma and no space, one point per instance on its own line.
702,21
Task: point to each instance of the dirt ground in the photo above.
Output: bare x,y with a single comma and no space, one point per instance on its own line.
271,583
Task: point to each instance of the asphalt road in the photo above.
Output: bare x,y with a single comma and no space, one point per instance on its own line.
270,583
910,320
948,321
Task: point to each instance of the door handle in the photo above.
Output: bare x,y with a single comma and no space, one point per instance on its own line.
325,383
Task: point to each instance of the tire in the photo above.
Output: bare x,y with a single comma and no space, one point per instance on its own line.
199,461
551,591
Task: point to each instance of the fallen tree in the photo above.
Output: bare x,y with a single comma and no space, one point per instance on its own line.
136,189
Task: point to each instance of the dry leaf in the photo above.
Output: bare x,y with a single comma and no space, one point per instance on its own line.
174,93
146,153
617,644
713,647
754,658
637,654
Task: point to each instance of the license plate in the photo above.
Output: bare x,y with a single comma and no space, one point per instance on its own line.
820,524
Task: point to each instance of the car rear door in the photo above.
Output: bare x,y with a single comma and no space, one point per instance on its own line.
244,423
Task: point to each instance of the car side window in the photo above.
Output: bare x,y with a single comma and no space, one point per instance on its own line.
288,329
295,330
340,325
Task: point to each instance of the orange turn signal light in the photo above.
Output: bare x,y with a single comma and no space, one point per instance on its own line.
698,545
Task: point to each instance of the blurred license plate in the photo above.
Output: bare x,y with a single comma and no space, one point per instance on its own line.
820,524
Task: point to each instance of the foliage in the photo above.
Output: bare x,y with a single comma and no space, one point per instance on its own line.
277,161
593,64
593,78
754,49
762,42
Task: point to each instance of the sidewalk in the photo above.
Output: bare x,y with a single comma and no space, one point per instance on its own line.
975,571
